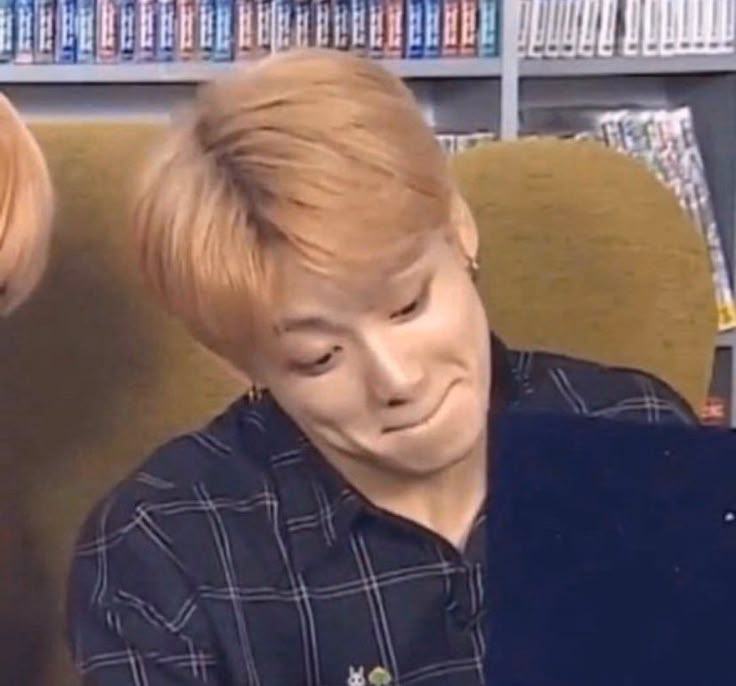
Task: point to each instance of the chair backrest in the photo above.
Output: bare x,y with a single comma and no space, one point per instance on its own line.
93,375
585,253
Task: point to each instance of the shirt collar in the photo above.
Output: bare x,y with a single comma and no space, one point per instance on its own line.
318,507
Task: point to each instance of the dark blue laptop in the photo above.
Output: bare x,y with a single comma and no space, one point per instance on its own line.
611,554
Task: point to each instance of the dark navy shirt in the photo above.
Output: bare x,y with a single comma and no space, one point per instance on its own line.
236,556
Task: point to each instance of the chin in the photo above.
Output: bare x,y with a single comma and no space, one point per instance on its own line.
434,454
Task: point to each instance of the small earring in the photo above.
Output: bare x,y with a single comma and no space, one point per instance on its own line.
254,393
473,268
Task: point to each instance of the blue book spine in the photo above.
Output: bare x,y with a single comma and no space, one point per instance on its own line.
66,31
127,20
44,31
224,23
414,28
166,30
341,20
24,31
85,20
302,35
7,12
432,28
359,25
488,29
376,28
205,29
322,23
282,12
264,9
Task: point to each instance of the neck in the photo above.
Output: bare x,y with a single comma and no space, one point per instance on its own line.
446,502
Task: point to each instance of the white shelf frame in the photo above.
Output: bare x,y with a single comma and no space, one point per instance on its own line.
627,66
196,72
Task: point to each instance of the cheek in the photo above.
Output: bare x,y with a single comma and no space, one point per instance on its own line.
333,399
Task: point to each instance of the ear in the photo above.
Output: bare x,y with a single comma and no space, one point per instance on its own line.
464,228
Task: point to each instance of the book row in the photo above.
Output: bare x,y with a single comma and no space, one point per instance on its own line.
80,31
603,28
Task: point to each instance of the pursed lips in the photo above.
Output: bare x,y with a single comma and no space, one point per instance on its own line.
425,418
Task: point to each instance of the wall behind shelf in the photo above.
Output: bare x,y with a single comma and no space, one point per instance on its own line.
159,100
120,100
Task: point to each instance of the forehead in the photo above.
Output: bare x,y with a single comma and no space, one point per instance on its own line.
303,288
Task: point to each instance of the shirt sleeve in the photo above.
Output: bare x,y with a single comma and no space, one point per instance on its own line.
651,401
133,619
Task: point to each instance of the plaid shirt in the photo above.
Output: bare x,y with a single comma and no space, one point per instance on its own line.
236,556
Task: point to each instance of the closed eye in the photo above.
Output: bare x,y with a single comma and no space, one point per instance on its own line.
320,361
407,310
415,305
318,365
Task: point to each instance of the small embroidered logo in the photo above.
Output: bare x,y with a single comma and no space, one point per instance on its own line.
380,677
356,677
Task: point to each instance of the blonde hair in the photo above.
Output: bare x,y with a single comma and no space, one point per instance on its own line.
321,151
26,210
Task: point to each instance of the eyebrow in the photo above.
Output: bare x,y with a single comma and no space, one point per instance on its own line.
294,324
318,323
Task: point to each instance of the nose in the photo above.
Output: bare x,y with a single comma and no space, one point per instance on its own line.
395,375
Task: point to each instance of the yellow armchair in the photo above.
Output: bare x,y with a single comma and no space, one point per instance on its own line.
585,253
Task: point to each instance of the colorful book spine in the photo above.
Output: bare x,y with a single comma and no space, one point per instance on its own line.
414,28
394,42
65,43
222,49
186,29
450,28
85,47
432,28
467,40
44,29
488,28
24,25
302,35
281,25
205,29
106,45
341,24
165,44
145,31
359,26
127,30
263,26
376,27
7,48
322,22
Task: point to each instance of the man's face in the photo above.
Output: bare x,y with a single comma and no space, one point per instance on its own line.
392,369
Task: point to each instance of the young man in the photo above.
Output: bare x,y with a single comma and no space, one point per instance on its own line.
302,223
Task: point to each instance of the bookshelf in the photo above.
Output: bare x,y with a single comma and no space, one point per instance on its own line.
460,94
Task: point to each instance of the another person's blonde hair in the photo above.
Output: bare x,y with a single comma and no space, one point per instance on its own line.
322,151
26,209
